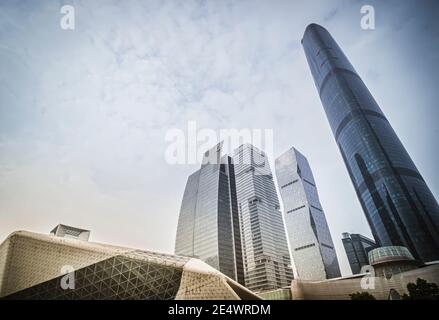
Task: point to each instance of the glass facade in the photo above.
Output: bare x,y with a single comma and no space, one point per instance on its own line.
389,254
310,240
392,260
122,277
399,206
208,225
357,248
267,261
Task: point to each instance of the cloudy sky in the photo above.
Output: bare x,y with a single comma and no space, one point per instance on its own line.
84,112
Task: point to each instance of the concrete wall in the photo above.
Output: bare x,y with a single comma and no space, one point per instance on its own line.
339,289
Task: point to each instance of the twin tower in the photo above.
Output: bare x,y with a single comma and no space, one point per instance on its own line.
230,215
230,218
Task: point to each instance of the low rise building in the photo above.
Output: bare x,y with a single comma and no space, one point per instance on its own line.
392,269
34,266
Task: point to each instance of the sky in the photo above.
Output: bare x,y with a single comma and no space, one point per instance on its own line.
84,112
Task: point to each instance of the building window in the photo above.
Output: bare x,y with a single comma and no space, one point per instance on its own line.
326,246
289,183
305,247
295,209
317,208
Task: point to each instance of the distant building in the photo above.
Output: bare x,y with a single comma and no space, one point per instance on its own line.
388,261
398,204
310,240
357,248
266,255
33,266
64,231
383,288
208,225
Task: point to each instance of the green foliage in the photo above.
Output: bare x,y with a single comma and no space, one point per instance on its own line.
422,290
362,296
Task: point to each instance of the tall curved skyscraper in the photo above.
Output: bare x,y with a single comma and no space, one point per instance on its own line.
399,206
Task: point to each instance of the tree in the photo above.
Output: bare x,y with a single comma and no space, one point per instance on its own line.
361,296
422,290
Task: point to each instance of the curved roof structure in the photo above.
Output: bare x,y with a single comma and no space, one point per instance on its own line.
38,266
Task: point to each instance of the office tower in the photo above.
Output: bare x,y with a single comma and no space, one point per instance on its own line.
266,257
208,225
357,248
399,206
311,244
33,266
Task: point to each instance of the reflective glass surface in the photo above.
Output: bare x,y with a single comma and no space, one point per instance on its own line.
310,240
267,262
397,202
208,226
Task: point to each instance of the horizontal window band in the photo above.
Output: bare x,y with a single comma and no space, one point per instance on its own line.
386,172
356,113
326,246
305,247
295,209
323,49
333,72
316,208
289,183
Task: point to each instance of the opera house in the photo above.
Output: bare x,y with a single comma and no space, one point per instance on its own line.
65,265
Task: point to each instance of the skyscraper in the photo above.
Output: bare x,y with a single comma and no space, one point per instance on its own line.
266,257
208,225
399,206
357,248
311,244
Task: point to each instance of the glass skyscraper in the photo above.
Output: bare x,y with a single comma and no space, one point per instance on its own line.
266,256
208,225
399,206
357,248
311,243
